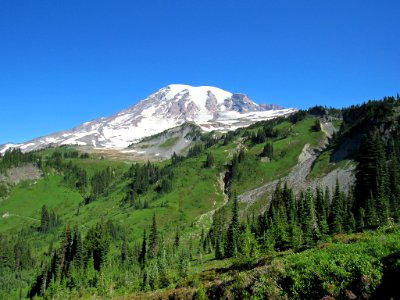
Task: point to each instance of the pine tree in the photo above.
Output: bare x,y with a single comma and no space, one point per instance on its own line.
124,251
142,254
337,211
97,244
310,221
232,234
268,151
44,220
371,189
77,249
321,210
210,160
153,247
177,238
247,244
218,250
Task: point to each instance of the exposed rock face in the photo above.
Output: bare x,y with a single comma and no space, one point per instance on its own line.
18,174
209,107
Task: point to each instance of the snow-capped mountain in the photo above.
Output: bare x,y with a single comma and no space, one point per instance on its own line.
209,107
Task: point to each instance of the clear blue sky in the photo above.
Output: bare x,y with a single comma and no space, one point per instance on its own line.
66,62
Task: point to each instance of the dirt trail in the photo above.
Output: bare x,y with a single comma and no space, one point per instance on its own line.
207,217
7,215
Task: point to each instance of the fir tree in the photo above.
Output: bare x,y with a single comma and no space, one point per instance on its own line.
337,211
143,251
44,220
153,247
232,234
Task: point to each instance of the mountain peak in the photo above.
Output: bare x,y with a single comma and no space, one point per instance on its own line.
209,107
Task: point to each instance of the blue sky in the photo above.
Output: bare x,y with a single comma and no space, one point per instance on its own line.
66,62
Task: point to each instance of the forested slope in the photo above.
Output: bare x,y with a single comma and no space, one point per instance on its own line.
181,227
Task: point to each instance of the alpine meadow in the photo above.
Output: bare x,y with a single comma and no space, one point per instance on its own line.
301,206
193,150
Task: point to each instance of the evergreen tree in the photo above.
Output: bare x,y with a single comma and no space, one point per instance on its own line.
177,238
232,234
321,210
268,151
247,244
210,160
371,189
124,251
153,247
44,220
142,254
97,244
77,249
337,211
310,221
218,250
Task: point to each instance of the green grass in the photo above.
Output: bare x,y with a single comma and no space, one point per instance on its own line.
286,153
26,200
323,166
170,142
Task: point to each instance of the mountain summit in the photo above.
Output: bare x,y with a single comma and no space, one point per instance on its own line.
209,107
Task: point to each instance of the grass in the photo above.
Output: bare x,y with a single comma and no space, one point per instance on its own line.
355,266
170,142
323,166
27,198
286,153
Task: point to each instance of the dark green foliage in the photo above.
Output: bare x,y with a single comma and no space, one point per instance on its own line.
15,158
177,239
196,150
145,177
97,244
231,245
210,160
101,181
263,134
372,180
268,151
298,116
317,125
143,250
77,249
176,159
75,177
153,239
3,190
48,221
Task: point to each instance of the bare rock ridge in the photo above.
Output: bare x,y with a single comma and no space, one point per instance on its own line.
210,108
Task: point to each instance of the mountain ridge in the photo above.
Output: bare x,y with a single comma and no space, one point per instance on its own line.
209,107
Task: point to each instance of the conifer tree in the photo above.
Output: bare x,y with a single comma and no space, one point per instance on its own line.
124,251
210,160
218,250
232,234
153,247
77,249
337,211
247,244
177,238
142,254
321,210
310,221
44,220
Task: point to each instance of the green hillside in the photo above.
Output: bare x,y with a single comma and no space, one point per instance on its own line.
182,228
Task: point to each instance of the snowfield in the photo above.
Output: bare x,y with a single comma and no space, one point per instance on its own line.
209,107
